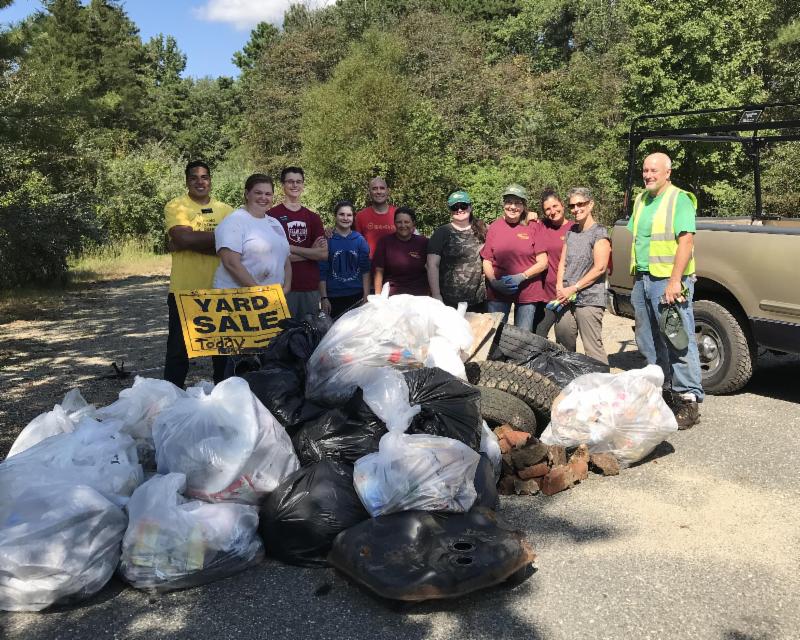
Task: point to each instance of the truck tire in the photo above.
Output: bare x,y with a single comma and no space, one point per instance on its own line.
499,407
726,359
534,389
519,344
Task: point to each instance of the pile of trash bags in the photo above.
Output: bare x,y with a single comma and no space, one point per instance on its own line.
174,488
363,434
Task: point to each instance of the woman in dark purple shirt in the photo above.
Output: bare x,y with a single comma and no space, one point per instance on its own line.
400,258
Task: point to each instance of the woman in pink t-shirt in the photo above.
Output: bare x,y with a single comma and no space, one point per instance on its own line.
513,262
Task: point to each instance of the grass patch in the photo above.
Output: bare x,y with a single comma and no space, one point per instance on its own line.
118,260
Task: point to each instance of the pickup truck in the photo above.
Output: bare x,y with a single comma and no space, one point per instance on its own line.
747,294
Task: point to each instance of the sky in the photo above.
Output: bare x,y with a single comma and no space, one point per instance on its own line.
207,31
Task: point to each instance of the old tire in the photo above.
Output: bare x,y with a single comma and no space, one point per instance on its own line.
519,344
726,359
499,407
534,389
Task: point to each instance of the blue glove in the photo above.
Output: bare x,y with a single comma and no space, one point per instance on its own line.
515,280
501,286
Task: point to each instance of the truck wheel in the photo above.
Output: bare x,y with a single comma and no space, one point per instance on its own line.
726,361
534,389
499,407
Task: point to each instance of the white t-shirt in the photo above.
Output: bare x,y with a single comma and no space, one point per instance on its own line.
261,242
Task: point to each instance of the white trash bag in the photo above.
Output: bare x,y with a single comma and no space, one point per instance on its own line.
619,413
490,445
174,543
391,331
226,443
139,406
58,544
62,419
95,454
411,471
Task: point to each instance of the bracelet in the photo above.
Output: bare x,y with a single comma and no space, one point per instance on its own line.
324,298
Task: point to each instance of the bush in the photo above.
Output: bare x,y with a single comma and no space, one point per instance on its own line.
131,191
36,237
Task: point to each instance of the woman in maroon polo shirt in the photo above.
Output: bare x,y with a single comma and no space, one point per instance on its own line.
400,258
513,262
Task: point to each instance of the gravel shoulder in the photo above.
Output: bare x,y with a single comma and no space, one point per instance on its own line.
699,541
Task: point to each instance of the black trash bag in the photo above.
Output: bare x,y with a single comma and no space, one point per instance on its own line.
422,555
301,518
295,344
562,367
485,484
451,407
280,389
345,434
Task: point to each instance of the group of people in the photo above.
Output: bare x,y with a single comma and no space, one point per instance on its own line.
549,269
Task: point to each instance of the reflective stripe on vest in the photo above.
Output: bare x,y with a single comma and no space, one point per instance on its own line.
663,244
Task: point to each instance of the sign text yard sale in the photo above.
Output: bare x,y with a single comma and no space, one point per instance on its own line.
227,321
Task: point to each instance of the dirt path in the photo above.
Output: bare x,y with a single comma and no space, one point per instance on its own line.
70,340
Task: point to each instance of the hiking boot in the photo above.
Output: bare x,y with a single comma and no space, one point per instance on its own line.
687,413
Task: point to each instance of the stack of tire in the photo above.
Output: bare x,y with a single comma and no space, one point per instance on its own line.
510,393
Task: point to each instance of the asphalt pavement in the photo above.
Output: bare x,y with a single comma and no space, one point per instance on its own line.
699,541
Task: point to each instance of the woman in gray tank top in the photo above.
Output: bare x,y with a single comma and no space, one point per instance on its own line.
580,284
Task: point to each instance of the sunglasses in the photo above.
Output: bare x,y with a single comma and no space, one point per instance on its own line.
459,206
578,205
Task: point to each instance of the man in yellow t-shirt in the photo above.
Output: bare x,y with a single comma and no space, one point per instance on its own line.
190,224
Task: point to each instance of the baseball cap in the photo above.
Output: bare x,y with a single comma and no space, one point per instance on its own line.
458,196
671,326
516,190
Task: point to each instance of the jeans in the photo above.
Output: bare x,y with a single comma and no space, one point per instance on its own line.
523,313
681,368
176,361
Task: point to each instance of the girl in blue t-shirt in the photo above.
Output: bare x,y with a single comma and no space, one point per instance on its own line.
344,276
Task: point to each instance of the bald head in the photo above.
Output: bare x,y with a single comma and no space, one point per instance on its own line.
656,172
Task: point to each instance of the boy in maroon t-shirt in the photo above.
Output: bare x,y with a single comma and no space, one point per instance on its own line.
307,244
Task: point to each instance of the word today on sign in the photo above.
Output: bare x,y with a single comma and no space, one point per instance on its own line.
230,321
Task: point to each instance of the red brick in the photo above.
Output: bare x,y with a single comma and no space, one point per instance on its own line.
532,453
556,455
581,453
506,486
536,471
580,468
525,487
517,439
559,479
604,463
502,430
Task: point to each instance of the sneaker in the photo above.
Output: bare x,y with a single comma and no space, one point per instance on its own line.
687,413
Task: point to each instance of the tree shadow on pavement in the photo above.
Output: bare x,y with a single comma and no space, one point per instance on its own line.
274,600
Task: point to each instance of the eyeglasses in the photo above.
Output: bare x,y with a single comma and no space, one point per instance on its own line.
293,182
459,206
578,205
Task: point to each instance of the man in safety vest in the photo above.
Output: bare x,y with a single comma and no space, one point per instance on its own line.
662,261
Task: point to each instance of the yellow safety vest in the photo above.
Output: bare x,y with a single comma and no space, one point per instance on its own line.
663,244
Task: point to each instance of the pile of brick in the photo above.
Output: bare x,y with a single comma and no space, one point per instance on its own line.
530,467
